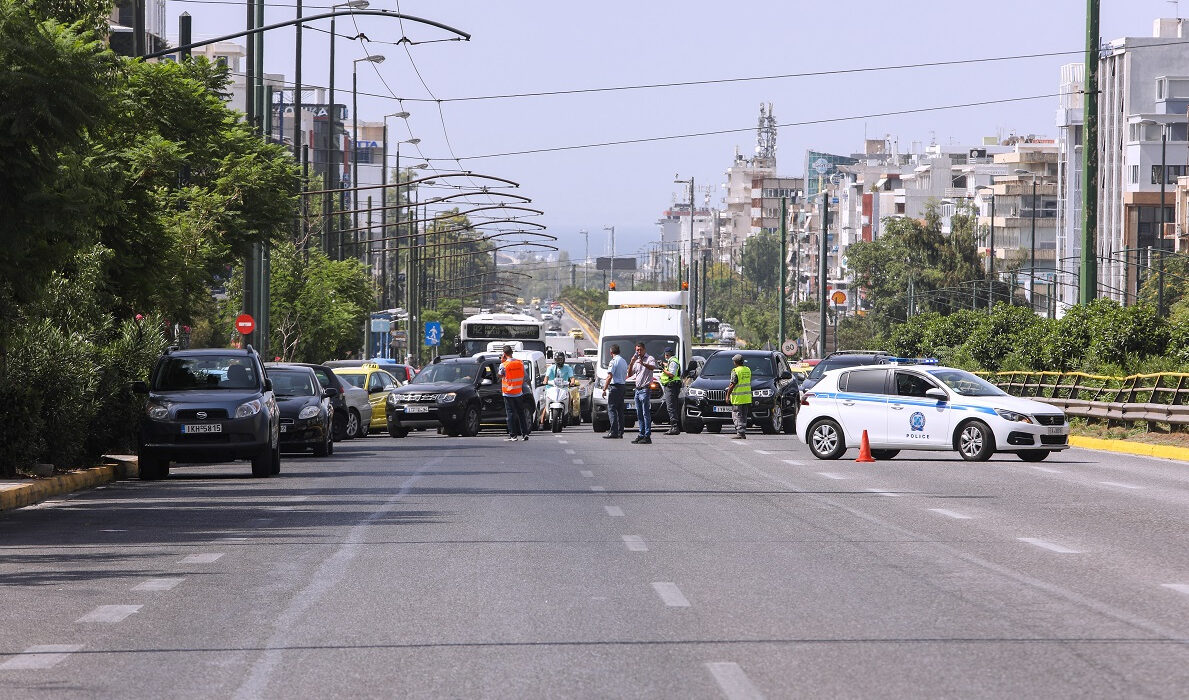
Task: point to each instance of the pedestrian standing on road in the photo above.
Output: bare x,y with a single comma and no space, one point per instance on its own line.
617,375
671,381
640,373
739,394
512,387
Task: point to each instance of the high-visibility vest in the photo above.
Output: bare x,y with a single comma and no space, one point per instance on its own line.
741,394
513,381
674,368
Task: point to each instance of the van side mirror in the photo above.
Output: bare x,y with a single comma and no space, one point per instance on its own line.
936,393
140,387
549,353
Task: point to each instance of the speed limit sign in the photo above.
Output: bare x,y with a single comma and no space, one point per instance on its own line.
790,347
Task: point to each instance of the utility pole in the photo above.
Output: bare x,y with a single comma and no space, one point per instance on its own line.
612,230
1088,282
822,250
586,260
784,252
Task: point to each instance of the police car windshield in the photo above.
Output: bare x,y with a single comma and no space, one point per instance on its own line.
721,364
966,384
452,373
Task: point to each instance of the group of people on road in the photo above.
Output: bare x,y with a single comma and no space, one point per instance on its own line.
639,372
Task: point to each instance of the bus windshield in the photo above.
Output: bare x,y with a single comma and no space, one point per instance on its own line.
478,333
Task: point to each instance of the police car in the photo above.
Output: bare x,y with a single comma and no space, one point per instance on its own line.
917,405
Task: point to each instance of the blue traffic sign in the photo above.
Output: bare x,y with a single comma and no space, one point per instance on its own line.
433,333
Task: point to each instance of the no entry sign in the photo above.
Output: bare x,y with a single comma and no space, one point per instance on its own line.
245,324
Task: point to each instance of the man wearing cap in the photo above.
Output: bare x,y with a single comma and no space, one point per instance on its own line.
512,387
671,381
739,394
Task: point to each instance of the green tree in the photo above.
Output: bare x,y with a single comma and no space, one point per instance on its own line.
761,261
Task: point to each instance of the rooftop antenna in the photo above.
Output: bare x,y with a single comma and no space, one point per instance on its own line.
1176,5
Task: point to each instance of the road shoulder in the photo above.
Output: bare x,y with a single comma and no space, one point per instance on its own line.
1142,449
21,493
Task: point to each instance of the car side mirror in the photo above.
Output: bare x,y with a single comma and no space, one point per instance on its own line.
375,390
549,353
786,375
485,382
330,392
692,367
936,393
140,387
268,385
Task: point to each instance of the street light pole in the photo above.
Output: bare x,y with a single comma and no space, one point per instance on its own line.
586,260
612,230
355,132
331,179
991,249
784,268
822,250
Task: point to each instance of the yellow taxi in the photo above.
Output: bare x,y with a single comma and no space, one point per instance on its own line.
377,383
576,333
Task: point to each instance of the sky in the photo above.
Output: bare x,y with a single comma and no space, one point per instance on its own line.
535,46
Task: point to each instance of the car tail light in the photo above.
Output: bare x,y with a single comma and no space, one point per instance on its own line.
805,398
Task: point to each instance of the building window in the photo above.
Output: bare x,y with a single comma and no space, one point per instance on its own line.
1135,174
1172,172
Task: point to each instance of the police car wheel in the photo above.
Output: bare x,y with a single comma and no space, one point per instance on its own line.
826,440
884,454
1033,455
975,441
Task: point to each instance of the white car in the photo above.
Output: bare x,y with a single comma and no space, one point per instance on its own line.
925,407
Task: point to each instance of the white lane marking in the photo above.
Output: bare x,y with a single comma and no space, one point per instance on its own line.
109,613
113,531
832,475
204,558
587,473
950,514
563,442
793,462
598,489
1048,545
881,492
762,452
232,539
635,543
571,452
670,594
1046,470
1117,484
40,656
579,461
1178,587
733,682
614,511
294,498
158,584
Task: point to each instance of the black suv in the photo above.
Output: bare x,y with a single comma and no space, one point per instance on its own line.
211,405
456,394
774,393
844,358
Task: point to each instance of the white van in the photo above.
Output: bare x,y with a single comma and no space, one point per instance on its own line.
659,320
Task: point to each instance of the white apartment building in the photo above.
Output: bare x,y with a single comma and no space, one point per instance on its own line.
1070,121
736,220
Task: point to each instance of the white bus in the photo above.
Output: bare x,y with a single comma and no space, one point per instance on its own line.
480,330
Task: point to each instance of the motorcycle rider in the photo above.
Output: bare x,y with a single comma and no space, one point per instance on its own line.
558,370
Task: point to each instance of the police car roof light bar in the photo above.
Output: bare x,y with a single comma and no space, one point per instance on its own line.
912,360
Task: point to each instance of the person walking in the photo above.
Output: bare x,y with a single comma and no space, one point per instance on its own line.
617,374
671,381
512,387
739,394
640,373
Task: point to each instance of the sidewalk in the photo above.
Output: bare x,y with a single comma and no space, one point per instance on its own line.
1130,447
18,493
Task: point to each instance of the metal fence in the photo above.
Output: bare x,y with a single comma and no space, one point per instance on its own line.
1147,398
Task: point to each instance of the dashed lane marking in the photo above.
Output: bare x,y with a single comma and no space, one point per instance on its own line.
563,442
587,473
635,543
1046,470
762,452
40,656
882,492
614,511
571,452
579,461
832,475
793,462
157,584
109,613
732,681
598,489
670,594
1178,587
203,558
950,514
1052,547
1120,485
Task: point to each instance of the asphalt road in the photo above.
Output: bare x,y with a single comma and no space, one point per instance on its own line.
572,566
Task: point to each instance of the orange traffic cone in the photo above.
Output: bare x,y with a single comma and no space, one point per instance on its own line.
865,450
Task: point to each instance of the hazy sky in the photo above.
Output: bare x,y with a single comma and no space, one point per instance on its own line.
560,45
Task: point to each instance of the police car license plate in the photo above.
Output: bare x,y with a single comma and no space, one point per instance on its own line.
202,428
1055,431
416,409
722,409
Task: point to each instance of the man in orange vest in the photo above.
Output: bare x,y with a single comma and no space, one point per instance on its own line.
512,387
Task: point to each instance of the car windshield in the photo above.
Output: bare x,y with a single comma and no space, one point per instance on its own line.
843,361
451,373
208,372
287,383
966,384
355,380
653,344
721,364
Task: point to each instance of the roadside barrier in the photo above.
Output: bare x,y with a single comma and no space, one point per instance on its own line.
1139,398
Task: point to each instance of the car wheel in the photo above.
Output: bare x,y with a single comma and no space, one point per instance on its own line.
262,463
692,425
340,426
884,454
1033,455
714,427
398,432
274,465
600,425
773,424
323,448
470,422
790,424
352,430
826,440
975,441
153,468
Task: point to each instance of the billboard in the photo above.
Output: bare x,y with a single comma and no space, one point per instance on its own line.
622,264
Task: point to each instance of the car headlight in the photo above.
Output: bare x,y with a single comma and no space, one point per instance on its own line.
157,412
392,400
761,393
309,412
695,392
447,398
250,408
1013,416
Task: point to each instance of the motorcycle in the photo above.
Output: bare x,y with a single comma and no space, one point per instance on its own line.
558,403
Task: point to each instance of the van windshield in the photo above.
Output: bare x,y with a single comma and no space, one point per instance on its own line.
654,345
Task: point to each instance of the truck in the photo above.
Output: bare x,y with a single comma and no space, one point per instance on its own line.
658,319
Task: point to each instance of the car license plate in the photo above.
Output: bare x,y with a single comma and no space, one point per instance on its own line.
284,428
202,428
722,409
416,409
1055,431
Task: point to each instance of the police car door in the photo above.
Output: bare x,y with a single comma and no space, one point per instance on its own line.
916,419
863,405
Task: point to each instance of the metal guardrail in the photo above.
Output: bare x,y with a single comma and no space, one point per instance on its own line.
1147,398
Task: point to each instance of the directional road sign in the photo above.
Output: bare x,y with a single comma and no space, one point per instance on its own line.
433,333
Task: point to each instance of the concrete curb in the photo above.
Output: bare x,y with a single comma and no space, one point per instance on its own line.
583,321
1142,449
28,493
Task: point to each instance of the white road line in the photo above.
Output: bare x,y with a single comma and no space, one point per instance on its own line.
579,461
570,452
598,489
205,558
587,473
635,543
793,462
1048,545
1046,470
881,492
109,613
158,584
40,656
294,498
832,475
1117,484
950,514
232,539
113,531
670,594
614,511
563,442
733,682
1178,587
762,452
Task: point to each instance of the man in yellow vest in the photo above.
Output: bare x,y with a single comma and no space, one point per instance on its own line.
739,394
671,384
